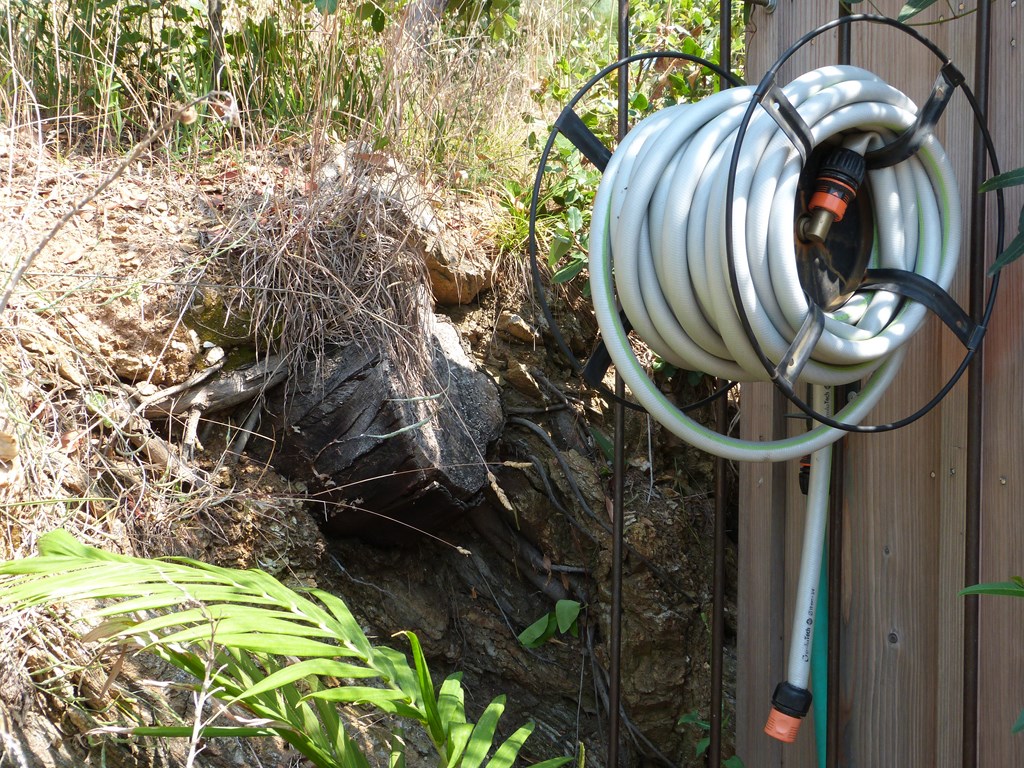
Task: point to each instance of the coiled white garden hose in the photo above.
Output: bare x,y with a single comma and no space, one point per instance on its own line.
658,246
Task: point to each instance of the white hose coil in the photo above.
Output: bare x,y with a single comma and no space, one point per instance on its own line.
659,220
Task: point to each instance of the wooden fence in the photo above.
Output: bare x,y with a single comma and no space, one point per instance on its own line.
903,536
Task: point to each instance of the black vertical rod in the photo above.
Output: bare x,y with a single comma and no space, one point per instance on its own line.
714,753
975,399
837,498
619,455
615,641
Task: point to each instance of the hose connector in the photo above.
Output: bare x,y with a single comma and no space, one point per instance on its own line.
789,706
838,180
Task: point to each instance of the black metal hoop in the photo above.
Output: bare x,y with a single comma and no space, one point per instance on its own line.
906,144
570,125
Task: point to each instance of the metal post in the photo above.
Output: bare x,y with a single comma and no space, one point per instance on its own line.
975,402
619,457
714,753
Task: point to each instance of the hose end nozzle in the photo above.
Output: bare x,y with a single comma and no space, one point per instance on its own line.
839,178
789,706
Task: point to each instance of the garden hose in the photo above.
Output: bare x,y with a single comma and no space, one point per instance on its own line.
659,212
658,251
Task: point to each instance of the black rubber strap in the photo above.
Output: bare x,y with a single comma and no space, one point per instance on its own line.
909,142
792,364
924,291
792,124
575,130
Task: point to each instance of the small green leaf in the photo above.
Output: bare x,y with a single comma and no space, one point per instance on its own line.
539,632
603,442
560,246
639,102
566,611
693,718
914,7
568,272
702,746
733,762
574,219
1012,178
326,7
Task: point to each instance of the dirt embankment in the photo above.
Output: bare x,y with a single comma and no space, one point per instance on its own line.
147,289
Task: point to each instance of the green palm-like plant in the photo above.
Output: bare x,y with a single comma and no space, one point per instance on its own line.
268,649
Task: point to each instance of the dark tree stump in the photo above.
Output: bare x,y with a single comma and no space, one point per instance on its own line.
385,452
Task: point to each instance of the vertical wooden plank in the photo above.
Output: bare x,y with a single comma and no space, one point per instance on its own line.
761,575
1001,693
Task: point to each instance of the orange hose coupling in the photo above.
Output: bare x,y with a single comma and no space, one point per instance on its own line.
789,706
839,178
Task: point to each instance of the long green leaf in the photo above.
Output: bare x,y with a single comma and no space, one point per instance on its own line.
483,734
207,732
259,642
914,7
1012,178
307,668
554,762
437,731
451,700
458,738
1005,588
1010,254
351,633
392,702
230,620
203,593
358,694
506,754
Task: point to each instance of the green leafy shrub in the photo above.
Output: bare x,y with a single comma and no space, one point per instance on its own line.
250,641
